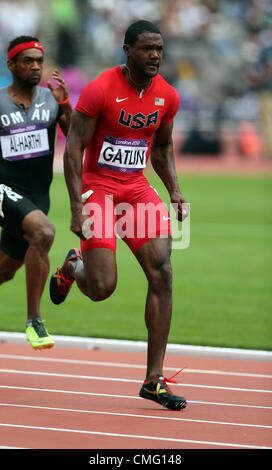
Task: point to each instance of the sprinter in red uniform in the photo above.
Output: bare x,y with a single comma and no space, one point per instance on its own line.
122,117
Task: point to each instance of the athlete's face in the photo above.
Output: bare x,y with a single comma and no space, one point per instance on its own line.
145,55
27,66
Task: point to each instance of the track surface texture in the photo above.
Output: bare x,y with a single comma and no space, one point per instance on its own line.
67,398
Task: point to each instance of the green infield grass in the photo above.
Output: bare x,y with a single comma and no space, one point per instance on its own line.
221,282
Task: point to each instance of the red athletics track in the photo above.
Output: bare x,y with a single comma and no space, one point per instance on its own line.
69,398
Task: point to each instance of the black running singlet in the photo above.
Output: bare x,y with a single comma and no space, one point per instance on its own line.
27,140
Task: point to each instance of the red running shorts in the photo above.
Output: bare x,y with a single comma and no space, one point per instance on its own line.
131,210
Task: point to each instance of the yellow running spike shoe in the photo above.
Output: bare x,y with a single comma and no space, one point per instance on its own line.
38,336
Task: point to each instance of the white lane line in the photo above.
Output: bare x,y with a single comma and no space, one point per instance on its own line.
9,447
133,397
116,379
134,436
141,346
130,366
132,415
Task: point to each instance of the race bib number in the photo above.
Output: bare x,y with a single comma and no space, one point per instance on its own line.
24,142
126,155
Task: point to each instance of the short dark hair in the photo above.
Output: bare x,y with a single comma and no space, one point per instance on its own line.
20,40
141,26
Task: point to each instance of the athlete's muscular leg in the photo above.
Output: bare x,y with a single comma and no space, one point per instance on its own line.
154,257
96,275
8,267
39,233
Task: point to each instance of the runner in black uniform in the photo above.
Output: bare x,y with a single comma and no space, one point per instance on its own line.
28,122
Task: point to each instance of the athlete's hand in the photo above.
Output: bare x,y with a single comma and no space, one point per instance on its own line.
78,225
179,204
60,93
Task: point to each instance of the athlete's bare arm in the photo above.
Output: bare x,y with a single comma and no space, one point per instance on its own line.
81,132
163,162
64,120
60,93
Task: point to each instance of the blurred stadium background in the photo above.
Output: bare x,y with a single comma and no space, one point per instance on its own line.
218,54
